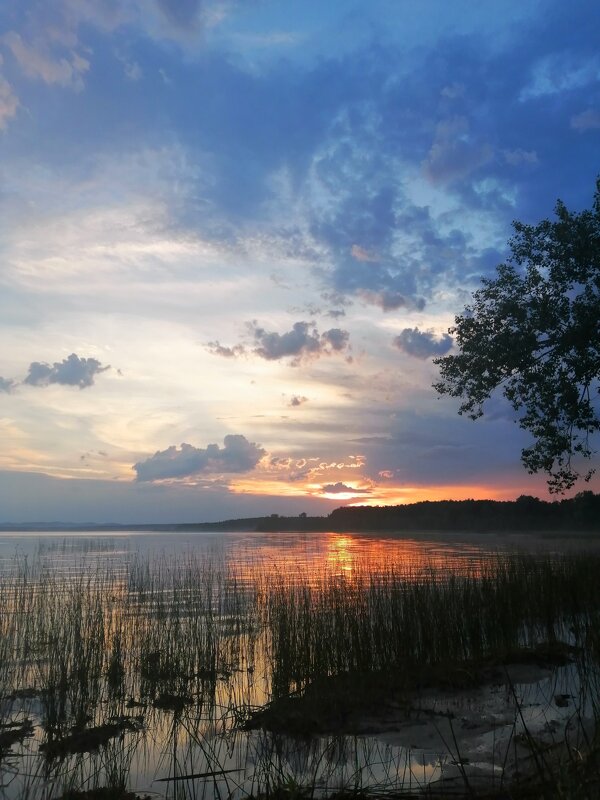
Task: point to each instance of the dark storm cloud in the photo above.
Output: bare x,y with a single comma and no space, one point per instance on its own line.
237,455
71,371
422,344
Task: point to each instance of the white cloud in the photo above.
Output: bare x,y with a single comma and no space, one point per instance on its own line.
519,156
133,71
38,62
586,121
9,102
560,72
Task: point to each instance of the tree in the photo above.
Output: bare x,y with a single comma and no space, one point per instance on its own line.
533,332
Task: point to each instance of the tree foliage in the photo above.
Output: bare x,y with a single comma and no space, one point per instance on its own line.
533,332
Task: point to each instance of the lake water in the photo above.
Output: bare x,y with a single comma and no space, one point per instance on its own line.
157,599
292,554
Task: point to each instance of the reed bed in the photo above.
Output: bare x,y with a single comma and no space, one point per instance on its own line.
192,642
363,623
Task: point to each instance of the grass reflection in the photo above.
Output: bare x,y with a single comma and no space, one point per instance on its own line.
154,670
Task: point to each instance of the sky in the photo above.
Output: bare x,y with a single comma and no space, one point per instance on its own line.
234,236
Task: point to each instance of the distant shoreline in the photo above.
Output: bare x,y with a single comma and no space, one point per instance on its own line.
579,514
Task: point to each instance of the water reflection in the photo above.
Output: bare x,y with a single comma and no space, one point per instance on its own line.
136,659
290,555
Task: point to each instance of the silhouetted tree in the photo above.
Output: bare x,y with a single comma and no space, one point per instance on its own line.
534,333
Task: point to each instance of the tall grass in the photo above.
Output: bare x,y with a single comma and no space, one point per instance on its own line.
365,623
194,645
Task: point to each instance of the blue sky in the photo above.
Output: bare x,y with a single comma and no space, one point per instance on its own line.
234,235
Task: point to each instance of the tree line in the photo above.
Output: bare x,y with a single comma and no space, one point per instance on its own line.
579,513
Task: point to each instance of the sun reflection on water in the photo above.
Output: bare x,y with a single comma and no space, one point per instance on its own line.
308,558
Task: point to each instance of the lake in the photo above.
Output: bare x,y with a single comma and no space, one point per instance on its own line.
299,554
138,658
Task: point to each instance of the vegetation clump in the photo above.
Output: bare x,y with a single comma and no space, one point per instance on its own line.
85,740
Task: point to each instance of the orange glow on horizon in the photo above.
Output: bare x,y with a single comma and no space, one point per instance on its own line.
267,487
386,495
401,495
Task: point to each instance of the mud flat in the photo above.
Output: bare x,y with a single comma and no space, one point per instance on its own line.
486,726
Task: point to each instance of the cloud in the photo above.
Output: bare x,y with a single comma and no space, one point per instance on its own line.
298,400
236,455
71,371
217,349
301,342
181,14
133,71
520,156
390,300
131,68
386,237
297,342
561,72
422,344
453,91
66,71
337,338
360,254
339,488
269,39
6,385
9,102
586,121
455,151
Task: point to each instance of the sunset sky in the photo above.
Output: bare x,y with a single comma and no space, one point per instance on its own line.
234,236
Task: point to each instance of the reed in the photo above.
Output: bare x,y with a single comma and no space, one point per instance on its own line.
194,645
377,623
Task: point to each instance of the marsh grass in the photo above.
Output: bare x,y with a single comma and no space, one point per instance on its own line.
360,623
174,654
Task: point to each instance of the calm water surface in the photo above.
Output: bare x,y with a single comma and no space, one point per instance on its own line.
169,750
294,555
